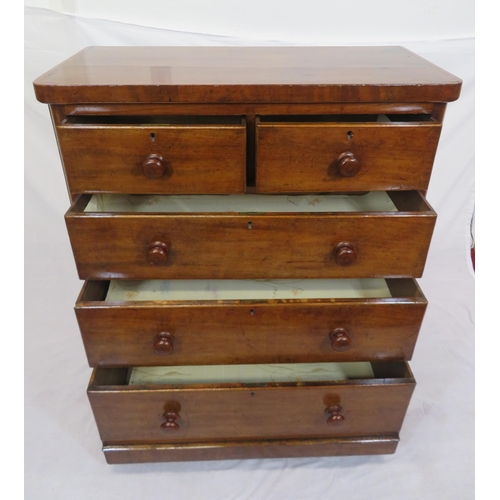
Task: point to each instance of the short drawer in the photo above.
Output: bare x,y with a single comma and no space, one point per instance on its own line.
196,404
251,236
154,154
204,322
345,153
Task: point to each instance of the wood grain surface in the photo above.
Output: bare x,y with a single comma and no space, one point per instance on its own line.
304,157
197,159
135,414
246,74
225,246
241,109
136,120
236,450
247,331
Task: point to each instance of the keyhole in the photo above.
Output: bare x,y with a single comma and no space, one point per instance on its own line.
252,312
249,225
349,135
152,136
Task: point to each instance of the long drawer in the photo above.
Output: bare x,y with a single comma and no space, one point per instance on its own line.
203,322
154,154
249,402
338,154
251,236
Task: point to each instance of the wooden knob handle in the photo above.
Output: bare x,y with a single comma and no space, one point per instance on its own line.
153,167
340,339
170,423
335,417
348,165
164,344
345,255
157,253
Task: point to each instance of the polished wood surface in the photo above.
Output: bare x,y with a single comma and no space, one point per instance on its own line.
239,332
276,448
132,414
335,416
201,120
320,157
65,114
160,158
154,167
246,74
341,339
348,164
221,246
171,422
345,254
242,109
163,344
157,253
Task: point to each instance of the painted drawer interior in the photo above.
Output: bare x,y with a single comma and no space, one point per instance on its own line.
369,202
250,374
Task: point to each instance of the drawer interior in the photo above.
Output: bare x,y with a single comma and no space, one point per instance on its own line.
348,118
375,201
183,290
294,374
252,290
152,120
250,374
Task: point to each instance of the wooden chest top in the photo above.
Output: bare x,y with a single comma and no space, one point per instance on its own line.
246,75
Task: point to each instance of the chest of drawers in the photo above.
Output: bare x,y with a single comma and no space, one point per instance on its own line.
249,223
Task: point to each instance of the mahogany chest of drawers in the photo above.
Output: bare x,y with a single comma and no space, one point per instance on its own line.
249,223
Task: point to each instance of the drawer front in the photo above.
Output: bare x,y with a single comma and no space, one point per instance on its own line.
254,246
341,157
154,159
158,414
142,333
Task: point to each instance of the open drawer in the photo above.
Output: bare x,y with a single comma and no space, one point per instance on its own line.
153,154
198,322
377,234
342,153
249,403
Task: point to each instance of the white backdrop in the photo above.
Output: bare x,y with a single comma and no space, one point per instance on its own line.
435,456
317,22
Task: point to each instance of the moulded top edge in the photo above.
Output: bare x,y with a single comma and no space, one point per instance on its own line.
246,75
